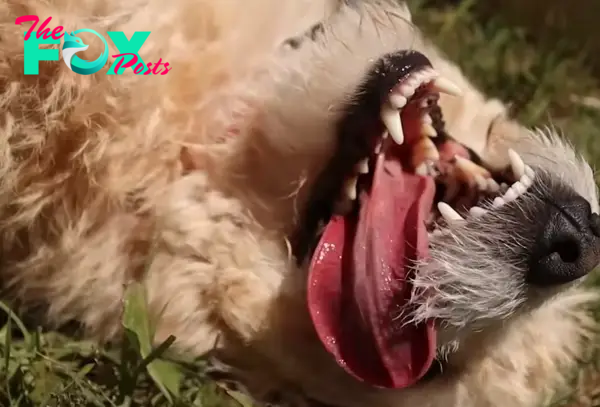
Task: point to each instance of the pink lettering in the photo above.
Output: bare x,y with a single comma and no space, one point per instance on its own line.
128,64
167,69
43,31
24,19
140,66
148,71
56,33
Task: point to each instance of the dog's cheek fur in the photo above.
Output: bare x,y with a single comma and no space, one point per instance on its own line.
93,196
86,158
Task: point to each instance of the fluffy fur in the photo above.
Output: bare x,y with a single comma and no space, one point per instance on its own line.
192,183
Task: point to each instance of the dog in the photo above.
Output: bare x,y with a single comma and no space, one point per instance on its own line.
313,188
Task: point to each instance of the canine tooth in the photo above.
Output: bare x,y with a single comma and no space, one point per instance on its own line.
428,130
516,163
444,85
476,211
426,118
493,185
529,172
398,101
362,167
350,188
498,202
391,119
448,213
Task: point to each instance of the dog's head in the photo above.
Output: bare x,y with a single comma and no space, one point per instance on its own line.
424,215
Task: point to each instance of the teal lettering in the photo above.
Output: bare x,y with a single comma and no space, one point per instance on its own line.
32,54
126,46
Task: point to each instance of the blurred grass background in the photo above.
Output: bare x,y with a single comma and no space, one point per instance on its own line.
543,57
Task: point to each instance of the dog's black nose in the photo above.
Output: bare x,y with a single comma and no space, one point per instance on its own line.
567,245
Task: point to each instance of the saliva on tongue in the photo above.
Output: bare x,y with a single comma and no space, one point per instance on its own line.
358,281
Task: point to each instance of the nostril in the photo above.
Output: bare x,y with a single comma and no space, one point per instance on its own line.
567,249
595,224
566,245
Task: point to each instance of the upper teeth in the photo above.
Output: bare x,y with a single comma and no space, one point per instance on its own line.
390,111
444,85
398,101
391,118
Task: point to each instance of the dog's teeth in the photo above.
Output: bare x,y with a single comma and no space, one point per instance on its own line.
444,85
519,187
477,212
510,195
398,101
350,188
391,119
526,181
428,131
426,119
481,182
362,167
470,169
516,163
529,172
407,90
493,185
378,145
424,151
422,170
498,202
448,213
437,232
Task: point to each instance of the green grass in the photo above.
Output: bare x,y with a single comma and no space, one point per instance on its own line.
542,77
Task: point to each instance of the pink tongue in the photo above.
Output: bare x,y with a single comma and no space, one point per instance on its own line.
358,287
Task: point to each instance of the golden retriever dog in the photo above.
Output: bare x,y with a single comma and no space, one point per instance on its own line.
312,187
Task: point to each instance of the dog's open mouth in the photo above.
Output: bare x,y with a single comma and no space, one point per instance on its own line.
395,164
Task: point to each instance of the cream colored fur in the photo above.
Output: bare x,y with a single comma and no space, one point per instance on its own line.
192,183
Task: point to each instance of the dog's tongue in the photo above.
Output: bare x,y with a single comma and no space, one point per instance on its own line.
358,283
